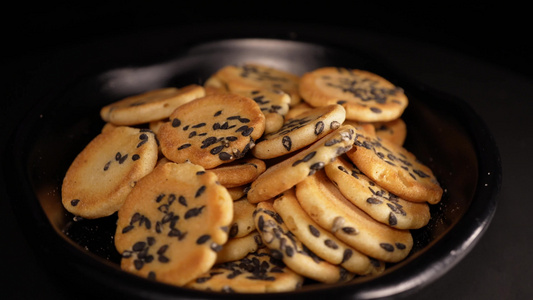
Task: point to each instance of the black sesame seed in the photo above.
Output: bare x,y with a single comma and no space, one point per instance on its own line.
314,231
200,191
319,127
193,212
198,125
387,247
74,202
224,156
217,113
216,150
202,239
331,244
392,219
346,255
400,246
135,157
176,122
184,146
286,142
106,167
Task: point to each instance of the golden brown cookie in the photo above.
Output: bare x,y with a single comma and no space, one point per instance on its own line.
149,106
273,103
394,131
326,205
243,221
287,173
258,272
300,131
366,96
173,223
395,169
285,246
104,172
377,202
238,247
212,130
256,76
239,172
320,241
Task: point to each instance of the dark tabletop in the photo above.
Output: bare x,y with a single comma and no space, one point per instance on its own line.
468,52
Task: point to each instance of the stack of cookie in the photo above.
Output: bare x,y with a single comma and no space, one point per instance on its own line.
258,180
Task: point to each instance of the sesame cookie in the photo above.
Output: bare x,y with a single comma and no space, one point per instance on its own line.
258,272
212,130
239,172
297,109
323,243
286,247
238,192
287,173
300,131
273,103
173,223
395,169
238,247
394,131
256,76
378,203
149,106
243,221
326,205
366,96
105,171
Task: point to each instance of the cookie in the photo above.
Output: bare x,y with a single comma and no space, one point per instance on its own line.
284,246
149,106
258,272
105,171
239,172
238,247
287,173
243,221
377,202
326,205
273,103
321,242
394,131
366,96
299,132
173,223
238,192
297,109
395,169
256,76
212,130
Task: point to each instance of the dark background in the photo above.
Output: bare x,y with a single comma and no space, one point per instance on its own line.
498,32
491,39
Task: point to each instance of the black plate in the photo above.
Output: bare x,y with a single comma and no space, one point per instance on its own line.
444,132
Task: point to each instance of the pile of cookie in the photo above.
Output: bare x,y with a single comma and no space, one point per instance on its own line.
258,180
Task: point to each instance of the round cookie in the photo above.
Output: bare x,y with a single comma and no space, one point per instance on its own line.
299,132
173,223
366,96
394,131
257,76
243,221
284,246
297,109
378,203
321,242
273,103
149,106
238,192
287,173
395,169
212,130
258,272
105,171
238,247
325,204
239,172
